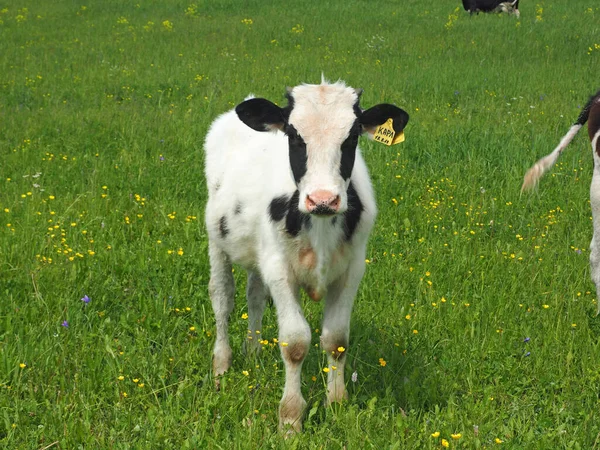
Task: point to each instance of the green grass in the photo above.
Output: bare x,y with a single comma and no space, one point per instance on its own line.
103,110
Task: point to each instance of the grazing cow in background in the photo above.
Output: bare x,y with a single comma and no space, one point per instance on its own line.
289,199
474,6
591,115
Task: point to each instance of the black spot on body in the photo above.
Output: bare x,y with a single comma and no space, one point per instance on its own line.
278,208
295,219
223,229
352,215
238,209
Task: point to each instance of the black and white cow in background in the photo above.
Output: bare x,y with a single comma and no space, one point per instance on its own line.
474,6
290,200
591,115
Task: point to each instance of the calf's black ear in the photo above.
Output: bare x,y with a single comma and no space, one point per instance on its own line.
379,114
260,114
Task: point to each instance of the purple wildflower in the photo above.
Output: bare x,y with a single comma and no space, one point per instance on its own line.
162,158
526,339
527,354
64,324
85,299
578,251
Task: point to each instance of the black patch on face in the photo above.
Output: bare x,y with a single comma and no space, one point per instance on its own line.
295,219
223,229
298,155
278,208
349,151
238,209
352,215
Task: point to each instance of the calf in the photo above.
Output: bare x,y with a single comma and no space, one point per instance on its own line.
474,6
290,200
591,115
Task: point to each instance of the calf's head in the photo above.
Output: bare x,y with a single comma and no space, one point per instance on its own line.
322,123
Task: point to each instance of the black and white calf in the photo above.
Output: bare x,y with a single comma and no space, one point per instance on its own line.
290,200
591,115
474,6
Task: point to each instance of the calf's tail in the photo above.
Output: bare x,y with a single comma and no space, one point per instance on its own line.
534,174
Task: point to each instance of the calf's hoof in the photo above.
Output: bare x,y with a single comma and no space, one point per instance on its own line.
221,363
291,412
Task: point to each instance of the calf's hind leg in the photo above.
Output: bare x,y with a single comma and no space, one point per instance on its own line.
221,289
256,294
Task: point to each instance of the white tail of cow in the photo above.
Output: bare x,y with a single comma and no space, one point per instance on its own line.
534,174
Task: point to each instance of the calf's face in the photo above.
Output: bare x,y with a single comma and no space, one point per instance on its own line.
322,123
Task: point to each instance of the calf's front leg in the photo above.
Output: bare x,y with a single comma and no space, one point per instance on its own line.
294,341
221,289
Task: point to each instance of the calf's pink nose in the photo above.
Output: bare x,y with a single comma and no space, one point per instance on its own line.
322,202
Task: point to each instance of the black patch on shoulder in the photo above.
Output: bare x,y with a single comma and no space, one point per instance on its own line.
352,215
298,155
295,219
223,229
349,151
278,208
594,119
334,220
238,209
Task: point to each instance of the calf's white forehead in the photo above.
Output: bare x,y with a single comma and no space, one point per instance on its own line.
323,113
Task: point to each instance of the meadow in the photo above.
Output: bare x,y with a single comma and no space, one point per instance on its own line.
475,324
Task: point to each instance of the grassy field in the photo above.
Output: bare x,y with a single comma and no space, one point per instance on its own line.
475,324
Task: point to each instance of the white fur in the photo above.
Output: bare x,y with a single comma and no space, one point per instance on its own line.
595,205
249,169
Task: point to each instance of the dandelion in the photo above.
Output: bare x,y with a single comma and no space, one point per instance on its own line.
341,349
192,328
125,394
545,306
382,362
445,443
141,385
498,441
407,317
326,369
435,434
245,373
456,436
244,316
85,299
120,378
135,380
167,25
415,331
22,365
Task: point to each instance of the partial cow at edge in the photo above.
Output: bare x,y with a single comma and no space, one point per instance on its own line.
290,200
591,115
475,6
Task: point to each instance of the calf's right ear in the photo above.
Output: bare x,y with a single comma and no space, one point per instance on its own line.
261,114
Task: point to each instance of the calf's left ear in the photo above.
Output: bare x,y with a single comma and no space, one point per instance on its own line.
379,114
261,114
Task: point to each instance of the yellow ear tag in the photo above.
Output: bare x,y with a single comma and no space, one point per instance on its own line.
386,135
398,138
